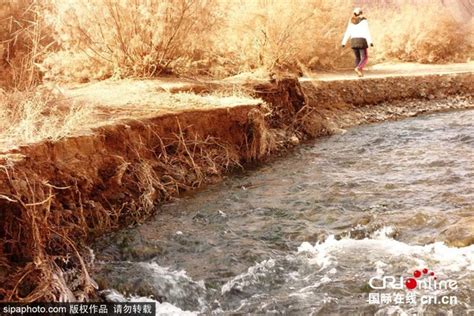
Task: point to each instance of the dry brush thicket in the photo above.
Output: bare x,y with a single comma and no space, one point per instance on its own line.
123,38
25,39
427,33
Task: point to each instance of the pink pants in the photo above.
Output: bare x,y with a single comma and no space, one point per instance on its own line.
361,57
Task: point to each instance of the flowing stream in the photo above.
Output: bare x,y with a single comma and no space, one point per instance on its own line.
305,233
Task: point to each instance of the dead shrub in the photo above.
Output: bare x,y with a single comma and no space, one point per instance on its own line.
425,33
278,34
181,163
129,38
24,41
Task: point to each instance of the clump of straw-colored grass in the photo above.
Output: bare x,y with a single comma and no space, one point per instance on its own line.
32,116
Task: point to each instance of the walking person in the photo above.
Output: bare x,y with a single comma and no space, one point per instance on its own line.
358,32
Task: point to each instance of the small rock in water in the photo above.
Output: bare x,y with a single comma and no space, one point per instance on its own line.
460,234
339,131
111,295
294,140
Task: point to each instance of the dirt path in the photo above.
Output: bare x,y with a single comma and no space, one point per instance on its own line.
135,98
393,70
125,92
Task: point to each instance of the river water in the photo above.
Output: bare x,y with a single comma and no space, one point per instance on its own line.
305,234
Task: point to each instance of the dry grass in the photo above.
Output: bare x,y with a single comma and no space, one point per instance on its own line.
31,116
222,38
27,117
108,38
278,35
148,96
425,34
24,41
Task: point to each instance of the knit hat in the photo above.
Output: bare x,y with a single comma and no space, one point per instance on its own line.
357,11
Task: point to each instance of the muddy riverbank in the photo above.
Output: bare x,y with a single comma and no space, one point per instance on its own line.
57,196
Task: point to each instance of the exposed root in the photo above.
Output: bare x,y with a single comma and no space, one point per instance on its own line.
46,225
35,235
181,163
262,139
